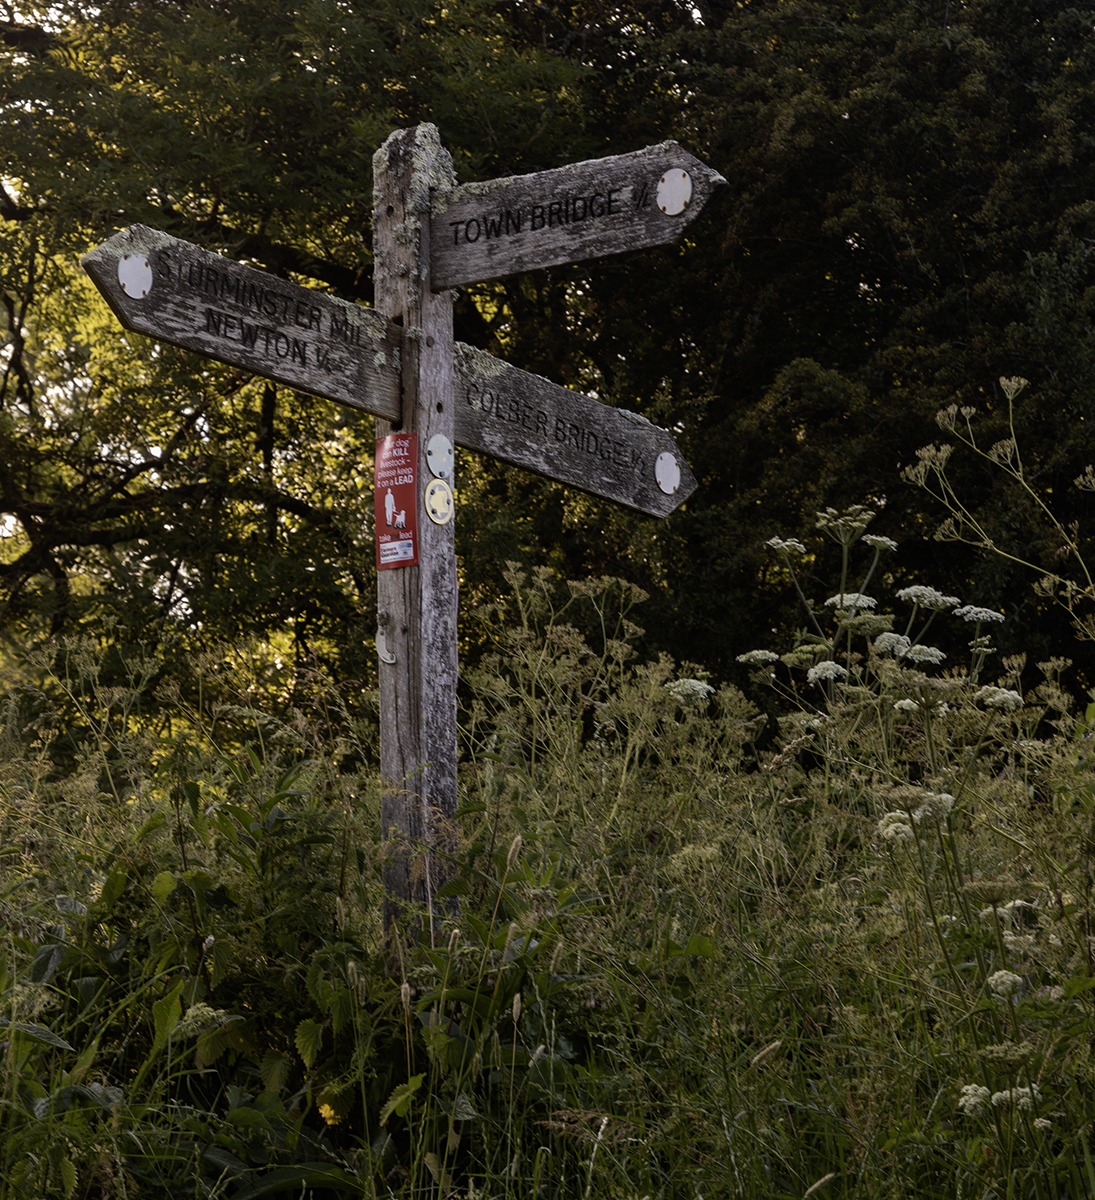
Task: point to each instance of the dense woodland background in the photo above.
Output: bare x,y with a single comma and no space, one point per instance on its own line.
909,216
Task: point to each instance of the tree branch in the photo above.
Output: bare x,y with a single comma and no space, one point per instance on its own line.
32,39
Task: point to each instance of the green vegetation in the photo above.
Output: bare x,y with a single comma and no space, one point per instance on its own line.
908,218
699,951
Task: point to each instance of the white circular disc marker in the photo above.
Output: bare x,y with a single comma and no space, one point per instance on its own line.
135,275
439,502
439,455
674,192
667,472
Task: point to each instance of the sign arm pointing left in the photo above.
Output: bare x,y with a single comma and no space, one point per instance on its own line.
179,293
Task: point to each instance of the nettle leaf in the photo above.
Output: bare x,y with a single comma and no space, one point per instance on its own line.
166,1013
113,887
342,1008
163,885
399,1102
154,822
274,1070
700,945
309,1039
463,1109
250,1118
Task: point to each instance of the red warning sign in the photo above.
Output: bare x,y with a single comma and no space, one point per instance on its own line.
394,501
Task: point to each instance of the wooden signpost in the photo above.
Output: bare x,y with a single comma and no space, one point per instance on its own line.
399,362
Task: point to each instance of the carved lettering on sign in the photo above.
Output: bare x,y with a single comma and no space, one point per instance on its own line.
254,337
568,214
285,312
282,307
234,313
547,215
551,428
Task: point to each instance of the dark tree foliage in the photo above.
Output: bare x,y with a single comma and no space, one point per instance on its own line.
909,216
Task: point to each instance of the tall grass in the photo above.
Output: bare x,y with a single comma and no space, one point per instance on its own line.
840,947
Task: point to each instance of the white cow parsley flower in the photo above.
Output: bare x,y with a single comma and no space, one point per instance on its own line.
684,690
1005,983
922,654
851,600
758,657
972,1098
825,670
998,697
971,613
927,597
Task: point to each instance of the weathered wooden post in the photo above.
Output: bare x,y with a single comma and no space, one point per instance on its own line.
416,597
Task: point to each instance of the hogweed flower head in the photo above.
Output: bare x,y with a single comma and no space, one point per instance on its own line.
941,804
891,643
825,670
970,612
845,525
922,654
927,597
685,691
997,697
944,418
877,542
866,624
1013,385
1019,943
851,600
1022,1097
990,891
896,827
757,658
1005,984
1007,1055
973,1098
931,458
932,806
788,546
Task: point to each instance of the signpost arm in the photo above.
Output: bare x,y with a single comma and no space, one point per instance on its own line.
417,604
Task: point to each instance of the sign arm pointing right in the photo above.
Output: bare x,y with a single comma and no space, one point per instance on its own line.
484,231
530,422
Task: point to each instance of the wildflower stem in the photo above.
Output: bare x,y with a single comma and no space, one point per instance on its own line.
802,597
933,916
912,617
871,570
929,741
